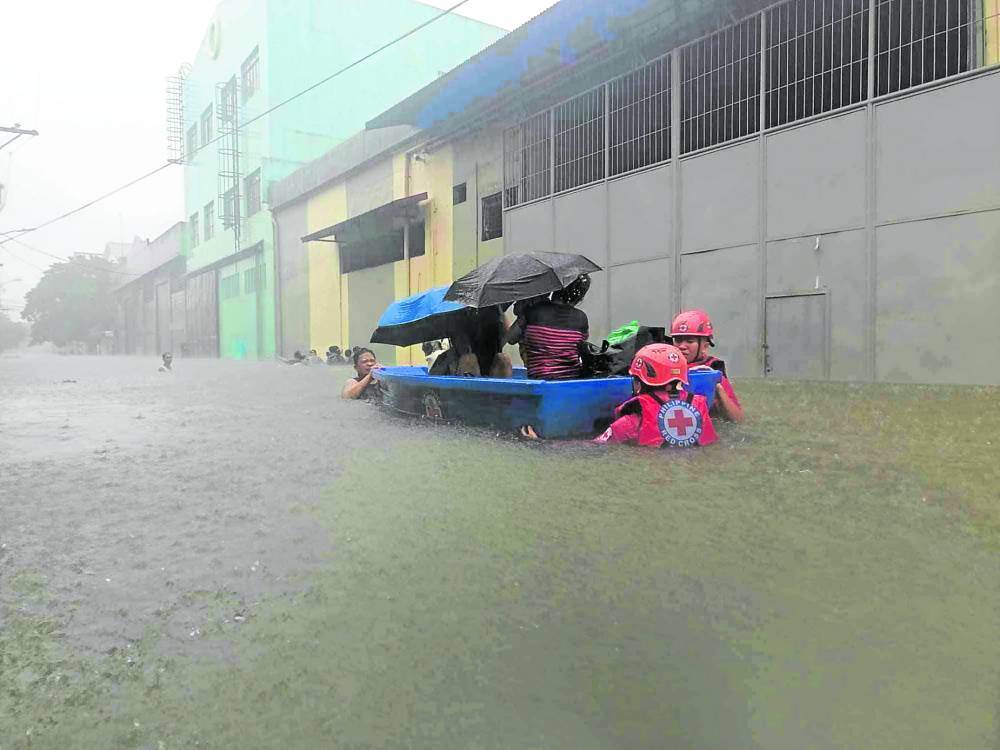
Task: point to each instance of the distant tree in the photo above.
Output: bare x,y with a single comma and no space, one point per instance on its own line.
72,302
12,333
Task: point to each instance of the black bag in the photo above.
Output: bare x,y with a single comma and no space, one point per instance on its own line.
608,361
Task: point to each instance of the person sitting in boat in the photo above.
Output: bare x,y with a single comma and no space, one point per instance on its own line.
692,333
432,351
476,346
549,332
363,386
661,413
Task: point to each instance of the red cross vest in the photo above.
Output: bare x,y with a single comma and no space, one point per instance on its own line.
679,421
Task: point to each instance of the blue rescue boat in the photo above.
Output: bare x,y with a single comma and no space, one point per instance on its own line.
555,408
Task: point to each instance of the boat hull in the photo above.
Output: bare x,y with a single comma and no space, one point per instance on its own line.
555,408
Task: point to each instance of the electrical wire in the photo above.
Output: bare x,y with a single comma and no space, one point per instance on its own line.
293,97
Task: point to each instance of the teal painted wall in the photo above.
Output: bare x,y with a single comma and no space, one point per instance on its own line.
300,42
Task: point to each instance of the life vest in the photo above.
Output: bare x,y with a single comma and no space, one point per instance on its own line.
668,421
711,362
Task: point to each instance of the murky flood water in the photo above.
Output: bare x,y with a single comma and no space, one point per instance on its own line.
250,560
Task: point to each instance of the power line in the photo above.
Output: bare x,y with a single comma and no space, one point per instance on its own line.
61,259
252,120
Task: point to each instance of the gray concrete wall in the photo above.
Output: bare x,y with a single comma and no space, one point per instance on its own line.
861,245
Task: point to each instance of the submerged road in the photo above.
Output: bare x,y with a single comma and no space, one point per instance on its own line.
230,555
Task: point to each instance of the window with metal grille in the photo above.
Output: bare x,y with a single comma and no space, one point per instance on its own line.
919,41
193,229
206,125
209,221
417,239
720,86
458,193
229,286
639,118
527,160
251,188
250,74
578,127
817,58
227,101
492,217
192,142
229,208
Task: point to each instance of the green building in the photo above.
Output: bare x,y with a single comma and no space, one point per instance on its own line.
255,55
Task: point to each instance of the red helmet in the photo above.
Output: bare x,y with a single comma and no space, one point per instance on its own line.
659,364
692,323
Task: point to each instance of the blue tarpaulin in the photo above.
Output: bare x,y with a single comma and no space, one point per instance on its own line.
424,316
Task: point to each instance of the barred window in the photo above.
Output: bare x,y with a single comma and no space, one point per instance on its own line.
227,101
192,142
209,220
527,160
251,188
924,40
639,118
193,229
230,208
817,58
720,86
492,217
250,74
229,286
578,126
254,279
206,125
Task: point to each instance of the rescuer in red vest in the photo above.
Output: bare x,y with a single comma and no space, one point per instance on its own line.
662,413
692,333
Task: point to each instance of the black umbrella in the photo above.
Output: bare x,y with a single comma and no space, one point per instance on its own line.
510,278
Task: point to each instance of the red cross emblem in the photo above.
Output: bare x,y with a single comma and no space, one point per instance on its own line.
682,327
679,423
673,357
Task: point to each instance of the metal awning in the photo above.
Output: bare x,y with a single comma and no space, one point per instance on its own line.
371,222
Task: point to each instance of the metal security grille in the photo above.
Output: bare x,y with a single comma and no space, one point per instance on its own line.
639,118
578,126
817,58
527,160
720,84
923,40
229,286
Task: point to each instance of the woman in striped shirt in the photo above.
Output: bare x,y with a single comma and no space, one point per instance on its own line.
549,332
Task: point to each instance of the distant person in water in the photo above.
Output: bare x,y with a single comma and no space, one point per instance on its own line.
168,360
297,359
314,358
363,385
334,357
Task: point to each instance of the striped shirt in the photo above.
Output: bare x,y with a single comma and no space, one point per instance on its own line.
551,334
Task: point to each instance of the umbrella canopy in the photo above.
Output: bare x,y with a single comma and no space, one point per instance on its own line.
420,317
510,278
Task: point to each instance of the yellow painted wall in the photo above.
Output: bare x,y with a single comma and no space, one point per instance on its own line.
991,23
327,291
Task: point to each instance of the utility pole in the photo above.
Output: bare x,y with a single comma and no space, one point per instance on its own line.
17,130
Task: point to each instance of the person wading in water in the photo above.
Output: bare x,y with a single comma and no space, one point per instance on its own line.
363,385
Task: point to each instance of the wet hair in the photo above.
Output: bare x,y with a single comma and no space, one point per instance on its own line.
431,346
167,354
333,350
574,292
358,352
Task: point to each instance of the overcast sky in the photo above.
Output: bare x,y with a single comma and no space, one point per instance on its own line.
90,77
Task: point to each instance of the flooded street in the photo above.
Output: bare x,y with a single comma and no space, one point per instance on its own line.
231,556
